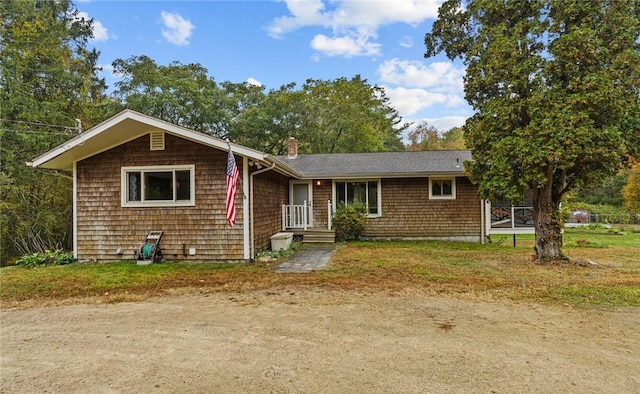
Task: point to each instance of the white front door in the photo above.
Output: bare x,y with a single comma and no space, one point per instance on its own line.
301,195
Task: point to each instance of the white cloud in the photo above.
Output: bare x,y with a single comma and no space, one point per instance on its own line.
177,30
344,46
253,81
406,42
100,33
446,123
350,21
303,13
441,76
410,101
414,86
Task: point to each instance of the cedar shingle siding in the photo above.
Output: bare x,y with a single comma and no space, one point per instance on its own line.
271,191
408,212
105,226
321,195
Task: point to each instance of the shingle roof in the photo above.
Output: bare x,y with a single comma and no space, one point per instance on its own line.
379,164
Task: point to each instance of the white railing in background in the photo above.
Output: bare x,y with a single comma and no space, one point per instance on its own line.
295,216
330,213
509,217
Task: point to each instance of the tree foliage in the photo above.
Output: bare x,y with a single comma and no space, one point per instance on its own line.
182,94
631,191
426,137
48,77
555,85
341,115
348,115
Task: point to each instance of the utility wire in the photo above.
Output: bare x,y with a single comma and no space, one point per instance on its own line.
69,132
38,124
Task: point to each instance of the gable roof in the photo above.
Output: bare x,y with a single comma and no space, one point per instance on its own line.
379,164
128,125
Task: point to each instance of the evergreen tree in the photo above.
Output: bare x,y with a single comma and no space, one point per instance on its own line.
556,89
48,78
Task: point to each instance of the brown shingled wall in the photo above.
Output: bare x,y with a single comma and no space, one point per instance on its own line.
104,225
321,194
408,212
271,191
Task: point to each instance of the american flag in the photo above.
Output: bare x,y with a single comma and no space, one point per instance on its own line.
232,181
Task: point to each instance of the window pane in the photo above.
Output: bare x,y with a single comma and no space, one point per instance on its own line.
183,185
357,192
373,197
446,188
158,185
133,186
340,192
436,189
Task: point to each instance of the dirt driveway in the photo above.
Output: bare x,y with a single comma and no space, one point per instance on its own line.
319,341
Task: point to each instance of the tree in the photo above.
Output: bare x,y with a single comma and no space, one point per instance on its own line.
348,115
631,191
266,121
453,139
182,94
607,192
48,78
424,137
555,85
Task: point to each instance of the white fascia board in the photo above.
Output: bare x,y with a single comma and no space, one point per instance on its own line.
153,123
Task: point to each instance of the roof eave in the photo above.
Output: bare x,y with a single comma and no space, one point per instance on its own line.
48,159
384,175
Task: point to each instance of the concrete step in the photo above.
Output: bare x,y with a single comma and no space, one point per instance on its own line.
319,236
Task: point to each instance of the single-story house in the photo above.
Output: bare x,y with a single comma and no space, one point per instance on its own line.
133,174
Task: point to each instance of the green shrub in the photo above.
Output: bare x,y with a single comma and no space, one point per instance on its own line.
56,257
349,221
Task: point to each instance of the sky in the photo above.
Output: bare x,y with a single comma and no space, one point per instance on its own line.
272,43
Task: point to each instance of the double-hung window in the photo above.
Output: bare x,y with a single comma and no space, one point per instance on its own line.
367,192
442,188
158,186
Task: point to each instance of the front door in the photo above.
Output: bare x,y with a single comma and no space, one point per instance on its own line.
301,195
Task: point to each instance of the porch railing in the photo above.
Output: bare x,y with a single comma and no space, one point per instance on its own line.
511,217
297,216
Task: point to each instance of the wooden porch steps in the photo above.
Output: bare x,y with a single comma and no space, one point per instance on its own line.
319,235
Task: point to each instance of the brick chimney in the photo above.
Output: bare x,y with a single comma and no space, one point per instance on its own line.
292,148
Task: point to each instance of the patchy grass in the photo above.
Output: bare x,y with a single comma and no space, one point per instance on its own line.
600,276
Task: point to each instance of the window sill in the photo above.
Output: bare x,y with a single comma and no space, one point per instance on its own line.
162,204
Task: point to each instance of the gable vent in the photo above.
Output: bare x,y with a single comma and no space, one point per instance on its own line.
156,140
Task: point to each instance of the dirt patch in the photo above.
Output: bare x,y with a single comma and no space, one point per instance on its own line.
302,340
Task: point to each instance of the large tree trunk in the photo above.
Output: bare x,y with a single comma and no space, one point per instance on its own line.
548,226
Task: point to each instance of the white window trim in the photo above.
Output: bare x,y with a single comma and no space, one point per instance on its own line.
155,203
379,192
440,178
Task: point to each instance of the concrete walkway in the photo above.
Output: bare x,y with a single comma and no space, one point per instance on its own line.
309,258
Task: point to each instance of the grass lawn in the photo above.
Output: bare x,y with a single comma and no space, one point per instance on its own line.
452,269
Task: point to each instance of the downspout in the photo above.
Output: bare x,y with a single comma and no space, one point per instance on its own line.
75,210
253,246
482,212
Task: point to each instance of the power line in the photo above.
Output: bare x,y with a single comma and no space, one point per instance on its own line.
37,132
39,124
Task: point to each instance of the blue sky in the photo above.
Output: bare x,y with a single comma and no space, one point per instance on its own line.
277,42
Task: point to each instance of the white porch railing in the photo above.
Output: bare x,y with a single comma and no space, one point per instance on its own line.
298,216
509,219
